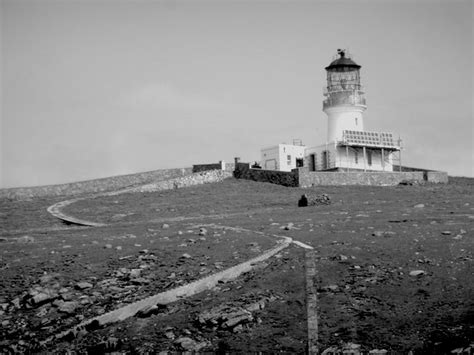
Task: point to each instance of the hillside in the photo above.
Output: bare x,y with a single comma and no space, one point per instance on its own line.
393,269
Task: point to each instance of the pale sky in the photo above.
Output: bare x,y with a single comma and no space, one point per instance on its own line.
98,88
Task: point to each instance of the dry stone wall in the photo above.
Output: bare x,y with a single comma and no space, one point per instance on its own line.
311,178
302,177
200,178
94,186
437,177
243,171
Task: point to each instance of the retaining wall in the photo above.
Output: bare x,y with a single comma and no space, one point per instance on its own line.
437,177
203,177
219,166
94,186
243,171
313,178
302,177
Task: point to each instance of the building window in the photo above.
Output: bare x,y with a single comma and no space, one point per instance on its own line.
369,157
288,158
356,121
356,156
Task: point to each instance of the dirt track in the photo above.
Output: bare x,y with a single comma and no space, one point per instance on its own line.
367,241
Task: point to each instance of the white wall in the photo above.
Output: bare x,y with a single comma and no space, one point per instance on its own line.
347,159
288,155
342,118
276,157
270,158
339,158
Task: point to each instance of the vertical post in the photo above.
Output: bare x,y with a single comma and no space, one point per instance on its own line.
347,157
400,160
326,158
383,160
365,167
311,302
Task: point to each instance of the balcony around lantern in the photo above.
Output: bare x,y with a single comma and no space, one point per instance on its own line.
340,88
344,97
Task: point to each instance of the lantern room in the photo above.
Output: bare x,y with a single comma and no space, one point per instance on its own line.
343,74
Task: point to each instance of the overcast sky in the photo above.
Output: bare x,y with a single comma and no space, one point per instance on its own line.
105,87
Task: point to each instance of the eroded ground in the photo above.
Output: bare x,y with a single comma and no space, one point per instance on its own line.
394,269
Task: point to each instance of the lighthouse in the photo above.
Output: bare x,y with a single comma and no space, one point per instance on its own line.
344,102
349,147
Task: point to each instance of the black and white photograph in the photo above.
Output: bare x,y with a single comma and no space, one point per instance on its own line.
237,177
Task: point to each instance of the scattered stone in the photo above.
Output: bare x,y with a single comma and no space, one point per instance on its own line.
420,205
202,231
458,237
118,216
185,256
148,311
446,232
140,281
322,199
135,273
40,295
165,226
26,239
417,272
118,247
83,285
170,335
189,344
68,307
16,302
385,234
108,246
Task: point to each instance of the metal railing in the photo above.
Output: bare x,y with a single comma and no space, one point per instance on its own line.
347,98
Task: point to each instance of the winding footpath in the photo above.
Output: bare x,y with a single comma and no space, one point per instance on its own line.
175,294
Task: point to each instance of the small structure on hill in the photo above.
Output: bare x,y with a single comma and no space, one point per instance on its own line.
283,157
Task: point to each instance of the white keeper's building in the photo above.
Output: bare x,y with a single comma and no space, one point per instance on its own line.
348,146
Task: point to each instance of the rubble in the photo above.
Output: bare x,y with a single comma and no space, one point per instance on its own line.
306,200
230,316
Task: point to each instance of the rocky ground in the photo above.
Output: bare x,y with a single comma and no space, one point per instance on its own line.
394,270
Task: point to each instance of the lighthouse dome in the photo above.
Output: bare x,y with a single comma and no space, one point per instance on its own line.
342,63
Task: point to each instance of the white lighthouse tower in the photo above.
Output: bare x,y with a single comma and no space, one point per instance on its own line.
345,101
348,145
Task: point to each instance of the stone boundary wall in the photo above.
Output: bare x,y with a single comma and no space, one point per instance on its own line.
206,167
203,177
243,171
437,177
94,186
313,178
302,177
219,166
185,181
